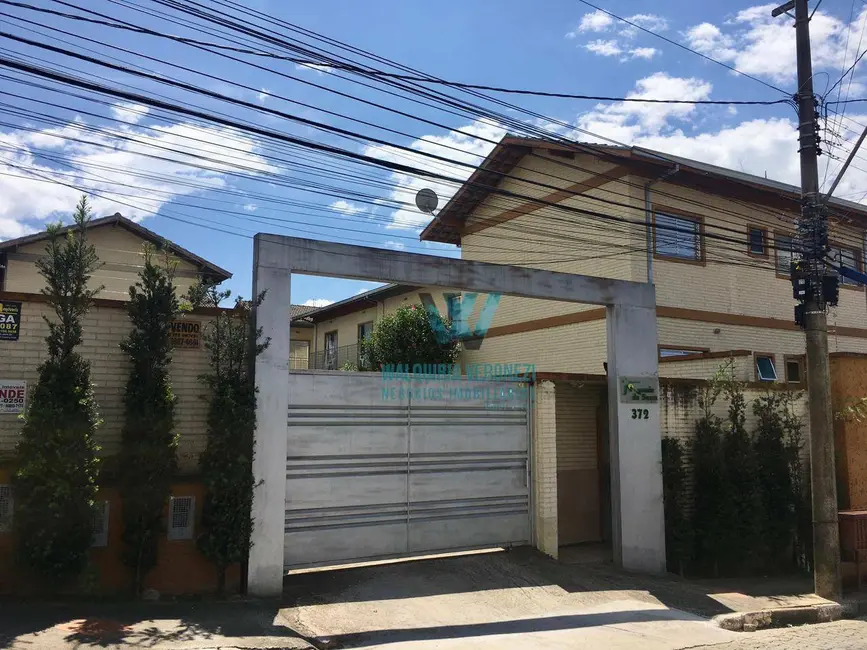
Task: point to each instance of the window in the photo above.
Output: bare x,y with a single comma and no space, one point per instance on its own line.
100,525
795,369
331,350
757,239
765,370
299,355
785,245
677,237
365,330
182,512
668,353
5,508
848,257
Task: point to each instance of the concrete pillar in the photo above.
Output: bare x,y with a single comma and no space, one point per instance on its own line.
543,469
638,525
270,274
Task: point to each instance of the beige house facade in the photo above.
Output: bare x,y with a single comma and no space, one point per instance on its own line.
119,244
720,246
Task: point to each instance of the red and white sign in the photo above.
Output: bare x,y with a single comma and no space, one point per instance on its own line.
13,395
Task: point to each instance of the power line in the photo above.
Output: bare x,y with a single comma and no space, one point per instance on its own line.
451,161
402,77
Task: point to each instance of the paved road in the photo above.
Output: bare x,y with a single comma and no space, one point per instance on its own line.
842,635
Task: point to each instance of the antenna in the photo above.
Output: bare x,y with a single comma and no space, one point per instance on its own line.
426,200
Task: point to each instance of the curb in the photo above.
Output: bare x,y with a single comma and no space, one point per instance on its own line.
779,617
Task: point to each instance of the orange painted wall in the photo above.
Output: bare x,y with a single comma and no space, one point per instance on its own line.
849,383
182,569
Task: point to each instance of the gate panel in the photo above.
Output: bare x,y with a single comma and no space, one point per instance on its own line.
374,476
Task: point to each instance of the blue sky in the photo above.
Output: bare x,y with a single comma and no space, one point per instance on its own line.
138,161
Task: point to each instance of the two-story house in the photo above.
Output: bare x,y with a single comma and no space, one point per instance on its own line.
716,243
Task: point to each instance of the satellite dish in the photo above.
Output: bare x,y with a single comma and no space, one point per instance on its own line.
426,200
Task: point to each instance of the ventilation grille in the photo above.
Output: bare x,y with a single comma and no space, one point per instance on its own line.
5,508
181,516
100,525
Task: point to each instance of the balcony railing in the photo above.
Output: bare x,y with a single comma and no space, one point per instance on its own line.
335,358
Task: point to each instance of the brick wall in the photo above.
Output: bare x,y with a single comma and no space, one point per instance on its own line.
105,326
544,468
182,569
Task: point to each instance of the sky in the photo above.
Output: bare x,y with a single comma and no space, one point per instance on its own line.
210,187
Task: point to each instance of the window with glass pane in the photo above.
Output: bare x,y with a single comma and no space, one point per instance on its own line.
848,258
784,254
677,237
757,241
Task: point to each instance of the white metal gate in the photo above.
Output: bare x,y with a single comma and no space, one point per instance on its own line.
372,473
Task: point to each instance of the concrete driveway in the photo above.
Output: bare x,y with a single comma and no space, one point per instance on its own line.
515,599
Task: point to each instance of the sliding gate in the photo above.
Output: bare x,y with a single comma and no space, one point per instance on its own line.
374,471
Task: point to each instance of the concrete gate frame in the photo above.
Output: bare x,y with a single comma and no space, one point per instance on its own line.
638,533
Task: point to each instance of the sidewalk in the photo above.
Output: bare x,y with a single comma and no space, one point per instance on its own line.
171,626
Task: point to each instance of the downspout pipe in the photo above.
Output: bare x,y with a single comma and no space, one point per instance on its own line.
648,217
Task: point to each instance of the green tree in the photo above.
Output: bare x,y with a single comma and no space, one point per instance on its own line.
149,443
227,463
678,530
57,467
406,337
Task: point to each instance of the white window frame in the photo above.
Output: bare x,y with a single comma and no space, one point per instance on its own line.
678,238
177,532
760,376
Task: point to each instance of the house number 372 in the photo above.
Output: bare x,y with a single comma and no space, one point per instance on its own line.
640,414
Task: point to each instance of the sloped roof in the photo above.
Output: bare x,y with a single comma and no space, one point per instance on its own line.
206,267
297,311
446,227
360,301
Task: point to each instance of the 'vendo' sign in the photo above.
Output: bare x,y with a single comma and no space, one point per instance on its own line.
186,334
13,395
10,320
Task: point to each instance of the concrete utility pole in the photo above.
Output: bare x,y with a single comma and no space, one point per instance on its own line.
813,238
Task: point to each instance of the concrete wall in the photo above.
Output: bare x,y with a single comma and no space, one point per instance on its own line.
118,249
848,386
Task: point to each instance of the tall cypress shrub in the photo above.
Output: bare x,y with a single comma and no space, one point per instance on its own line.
57,467
233,343
743,515
149,443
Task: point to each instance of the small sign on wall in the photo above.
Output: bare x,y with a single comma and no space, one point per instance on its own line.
13,395
10,320
186,334
638,389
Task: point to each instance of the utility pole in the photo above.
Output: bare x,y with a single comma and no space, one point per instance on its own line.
819,290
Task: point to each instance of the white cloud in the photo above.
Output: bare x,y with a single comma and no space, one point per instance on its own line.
263,95
347,208
604,48
756,43
650,21
474,142
643,52
596,21
626,121
318,68
35,192
395,245
129,112
317,302
250,207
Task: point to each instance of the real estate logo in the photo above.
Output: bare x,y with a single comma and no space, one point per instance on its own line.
460,307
